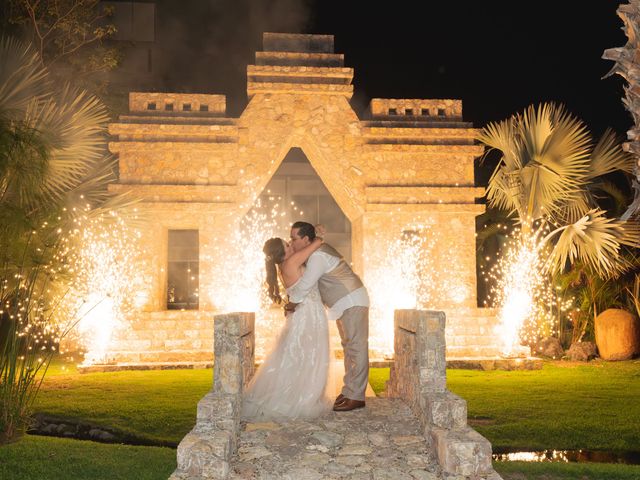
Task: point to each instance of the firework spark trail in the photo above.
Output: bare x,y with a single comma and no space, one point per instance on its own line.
402,273
242,287
526,300
107,255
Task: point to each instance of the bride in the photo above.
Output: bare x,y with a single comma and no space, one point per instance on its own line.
291,383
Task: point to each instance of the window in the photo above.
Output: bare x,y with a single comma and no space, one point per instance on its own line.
425,112
408,111
168,107
441,112
151,106
186,107
183,270
393,111
204,108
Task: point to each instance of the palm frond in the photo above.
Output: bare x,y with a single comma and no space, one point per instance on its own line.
595,241
75,125
608,156
22,77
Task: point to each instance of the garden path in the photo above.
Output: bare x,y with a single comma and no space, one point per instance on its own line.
381,441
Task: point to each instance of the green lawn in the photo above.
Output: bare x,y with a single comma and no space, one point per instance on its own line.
157,404
562,406
45,458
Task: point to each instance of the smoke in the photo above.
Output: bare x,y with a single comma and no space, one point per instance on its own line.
205,47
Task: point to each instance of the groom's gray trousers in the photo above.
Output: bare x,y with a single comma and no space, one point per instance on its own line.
354,333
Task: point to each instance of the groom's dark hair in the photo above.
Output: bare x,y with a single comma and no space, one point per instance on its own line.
305,230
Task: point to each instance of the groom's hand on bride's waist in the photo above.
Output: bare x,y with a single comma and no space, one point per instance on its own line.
290,307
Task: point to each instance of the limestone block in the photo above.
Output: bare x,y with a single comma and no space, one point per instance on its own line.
214,406
445,410
462,452
617,334
205,456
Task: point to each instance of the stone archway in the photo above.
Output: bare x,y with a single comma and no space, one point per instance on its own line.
305,197
405,160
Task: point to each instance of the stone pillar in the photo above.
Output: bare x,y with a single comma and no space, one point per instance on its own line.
418,376
205,452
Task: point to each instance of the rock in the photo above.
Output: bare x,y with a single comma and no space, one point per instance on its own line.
302,474
390,474
423,475
617,334
50,429
101,435
338,469
106,436
549,347
328,439
355,450
582,351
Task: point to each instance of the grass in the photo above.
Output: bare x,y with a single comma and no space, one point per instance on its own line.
40,458
566,471
159,404
562,406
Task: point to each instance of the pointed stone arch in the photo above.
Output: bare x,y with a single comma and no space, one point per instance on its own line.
408,159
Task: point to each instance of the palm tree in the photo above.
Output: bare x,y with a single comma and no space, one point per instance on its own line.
548,173
626,65
53,163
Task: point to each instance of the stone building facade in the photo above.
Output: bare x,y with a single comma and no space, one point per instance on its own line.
407,162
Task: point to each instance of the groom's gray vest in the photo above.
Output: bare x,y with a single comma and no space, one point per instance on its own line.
339,282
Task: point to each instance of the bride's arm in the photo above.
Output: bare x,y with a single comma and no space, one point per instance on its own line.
298,258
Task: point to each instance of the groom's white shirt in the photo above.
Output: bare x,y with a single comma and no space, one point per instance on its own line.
318,264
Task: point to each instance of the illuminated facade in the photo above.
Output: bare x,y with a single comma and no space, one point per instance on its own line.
406,166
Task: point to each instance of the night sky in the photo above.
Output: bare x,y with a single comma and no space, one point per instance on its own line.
497,56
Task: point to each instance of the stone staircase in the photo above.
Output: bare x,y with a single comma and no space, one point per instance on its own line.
176,337
419,432
470,333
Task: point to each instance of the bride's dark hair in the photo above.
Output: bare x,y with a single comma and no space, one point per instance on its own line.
274,253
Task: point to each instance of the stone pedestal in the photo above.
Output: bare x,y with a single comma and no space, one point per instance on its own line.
418,376
205,452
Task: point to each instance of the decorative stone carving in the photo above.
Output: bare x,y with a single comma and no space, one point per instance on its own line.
406,161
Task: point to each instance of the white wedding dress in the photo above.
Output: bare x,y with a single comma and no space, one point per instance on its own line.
292,381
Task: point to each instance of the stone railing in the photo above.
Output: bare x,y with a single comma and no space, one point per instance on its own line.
205,452
419,377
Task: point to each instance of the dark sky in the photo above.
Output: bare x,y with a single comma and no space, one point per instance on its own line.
497,56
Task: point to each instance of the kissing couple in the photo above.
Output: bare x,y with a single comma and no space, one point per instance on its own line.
292,383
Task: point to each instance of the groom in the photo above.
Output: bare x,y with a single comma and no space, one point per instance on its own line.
347,301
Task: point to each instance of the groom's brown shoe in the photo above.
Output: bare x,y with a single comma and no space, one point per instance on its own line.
347,404
339,399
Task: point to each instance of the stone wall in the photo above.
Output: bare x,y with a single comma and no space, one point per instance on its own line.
205,452
203,170
418,376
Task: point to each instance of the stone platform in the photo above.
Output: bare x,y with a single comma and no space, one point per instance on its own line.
382,441
419,432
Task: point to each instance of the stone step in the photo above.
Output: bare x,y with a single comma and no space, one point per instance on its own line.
472,351
173,324
167,344
161,356
160,334
471,340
